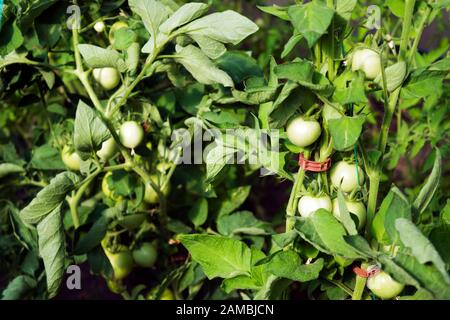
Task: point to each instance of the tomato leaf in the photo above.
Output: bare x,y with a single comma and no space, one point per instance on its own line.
52,249
311,20
199,212
9,168
201,67
346,131
427,192
394,206
243,222
18,287
219,256
153,13
287,264
325,233
90,132
421,247
344,215
225,27
97,57
49,198
185,14
234,198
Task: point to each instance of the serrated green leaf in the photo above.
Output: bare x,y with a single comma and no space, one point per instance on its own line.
52,249
219,256
311,20
90,132
49,198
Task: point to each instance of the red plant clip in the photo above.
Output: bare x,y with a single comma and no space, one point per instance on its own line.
365,273
314,166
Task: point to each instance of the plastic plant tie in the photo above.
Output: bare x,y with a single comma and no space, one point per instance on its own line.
371,271
314,166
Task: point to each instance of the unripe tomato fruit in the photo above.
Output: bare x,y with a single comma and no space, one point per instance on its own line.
383,286
302,132
99,26
344,175
166,295
116,26
367,61
107,191
108,150
307,205
146,255
108,78
355,207
131,134
121,262
151,197
71,159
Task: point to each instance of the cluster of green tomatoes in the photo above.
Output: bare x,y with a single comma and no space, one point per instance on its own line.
347,176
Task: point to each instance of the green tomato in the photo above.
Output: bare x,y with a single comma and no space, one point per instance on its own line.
131,134
71,159
166,295
116,26
106,189
303,133
99,27
307,205
383,286
121,262
367,61
151,197
344,175
108,150
146,255
108,78
354,207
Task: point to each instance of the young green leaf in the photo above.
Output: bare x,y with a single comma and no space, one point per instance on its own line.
49,198
52,249
185,14
420,246
277,11
243,222
234,198
395,75
201,67
9,168
90,132
394,206
311,20
225,27
325,233
212,48
18,288
152,12
97,57
287,264
199,212
219,256
427,192
344,215
346,131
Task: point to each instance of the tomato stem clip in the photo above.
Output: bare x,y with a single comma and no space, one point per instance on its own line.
314,166
366,273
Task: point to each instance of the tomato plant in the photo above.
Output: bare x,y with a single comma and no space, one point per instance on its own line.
183,150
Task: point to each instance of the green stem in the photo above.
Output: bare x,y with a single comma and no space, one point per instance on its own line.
422,25
292,204
360,284
75,200
331,71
